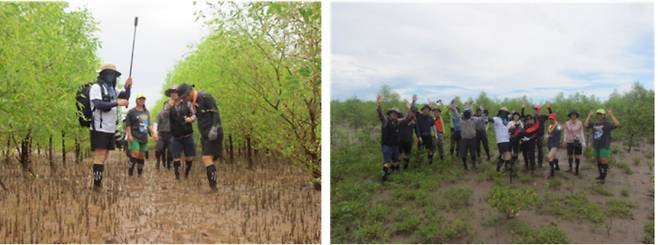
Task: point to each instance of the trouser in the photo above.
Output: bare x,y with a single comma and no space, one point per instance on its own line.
528,149
468,147
439,144
455,139
515,149
481,138
162,152
540,150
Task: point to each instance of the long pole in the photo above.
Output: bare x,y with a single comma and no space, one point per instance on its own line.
132,53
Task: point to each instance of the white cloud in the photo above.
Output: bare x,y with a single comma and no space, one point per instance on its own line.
494,48
164,31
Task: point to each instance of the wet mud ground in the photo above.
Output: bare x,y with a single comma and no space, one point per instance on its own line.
271,203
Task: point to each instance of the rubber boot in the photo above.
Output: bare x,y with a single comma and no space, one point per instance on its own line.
406,163
98,169
577,166
140,167
384,173
570,164
131,165
177,169
188,167
499,164
557,165
211,172
429,159
465,164
604,172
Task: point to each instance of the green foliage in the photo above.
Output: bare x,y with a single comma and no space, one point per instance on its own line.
511,201
648,232
572,206
262,64
547,234
554,183
456,198
46,53
600,190
633,108
620,208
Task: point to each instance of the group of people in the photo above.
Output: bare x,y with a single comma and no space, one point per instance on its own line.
174,134
516,134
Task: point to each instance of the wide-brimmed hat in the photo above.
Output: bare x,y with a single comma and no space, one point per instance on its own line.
600,111
394,109
111,67
504,109
172,89
426,106
573,112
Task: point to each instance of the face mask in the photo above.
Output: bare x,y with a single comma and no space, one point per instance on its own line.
109,77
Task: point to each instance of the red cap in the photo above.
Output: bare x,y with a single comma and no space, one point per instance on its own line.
552,116
537,106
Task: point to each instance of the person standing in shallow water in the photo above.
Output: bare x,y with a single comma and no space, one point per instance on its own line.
602,138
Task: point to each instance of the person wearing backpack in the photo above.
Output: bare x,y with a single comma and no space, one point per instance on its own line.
162,153
103,103
181,117
138,127
502,138
209,123
602,138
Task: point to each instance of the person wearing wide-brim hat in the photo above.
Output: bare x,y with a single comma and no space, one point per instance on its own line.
601,139
104,100
390,140
162,152
515,127
138,128
574,138
425,124
407,127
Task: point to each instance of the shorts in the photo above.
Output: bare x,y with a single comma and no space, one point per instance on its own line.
602,152
211,147
574,149
135,145
428,142
504,147
183,144
391,153
101,140
405,147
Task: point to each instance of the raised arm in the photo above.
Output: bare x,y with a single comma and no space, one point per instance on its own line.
380,114
589,115
615,122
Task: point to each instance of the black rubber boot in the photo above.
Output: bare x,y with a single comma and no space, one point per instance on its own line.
598,165
140,167
211,171
570,164
430,159
557,165
384,173
98,169
465,164
499,164
188,167
131,165
177,169
552,166
604,172
577,166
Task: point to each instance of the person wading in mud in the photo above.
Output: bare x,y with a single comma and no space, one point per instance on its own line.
407,128
574,137
425,124
438,127
502,138
162,152
390,137
104,101
181,117
602,137
138,127
539,119
554,131
210,128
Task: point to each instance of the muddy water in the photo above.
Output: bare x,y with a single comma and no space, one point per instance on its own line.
271,203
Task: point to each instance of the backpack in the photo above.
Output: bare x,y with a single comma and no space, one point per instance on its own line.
83,104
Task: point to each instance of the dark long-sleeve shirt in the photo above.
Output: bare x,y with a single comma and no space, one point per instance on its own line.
390,129
207,113
541,119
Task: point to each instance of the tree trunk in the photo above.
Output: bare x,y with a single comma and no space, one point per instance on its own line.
251,163
230,147
77,150
63,148
7,148
50,150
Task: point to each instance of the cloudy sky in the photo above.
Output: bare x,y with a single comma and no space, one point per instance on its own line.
506,50
164,31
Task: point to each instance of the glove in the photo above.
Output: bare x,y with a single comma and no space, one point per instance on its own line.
212,134
525,139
